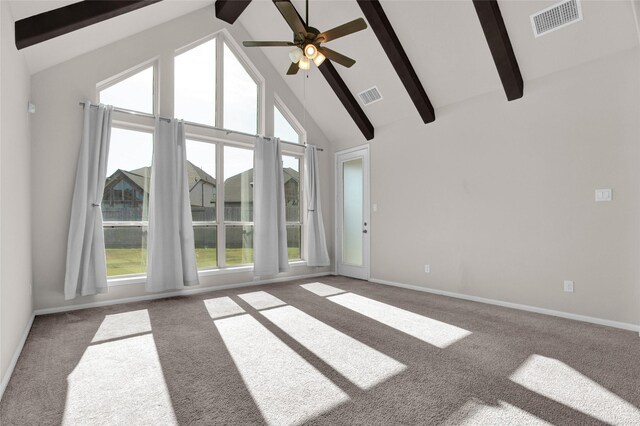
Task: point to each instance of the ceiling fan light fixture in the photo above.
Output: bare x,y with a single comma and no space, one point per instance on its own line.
304,63
319,59
295,55
310,51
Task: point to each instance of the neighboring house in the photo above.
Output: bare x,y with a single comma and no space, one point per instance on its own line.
238,195
125,196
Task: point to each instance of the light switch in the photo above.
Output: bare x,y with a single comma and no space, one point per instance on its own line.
375,207
603,195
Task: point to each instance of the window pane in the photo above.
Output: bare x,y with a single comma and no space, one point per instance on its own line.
291,173
282,128
240,96
126,249
238,184
125,201
195,84
134,93
206,237
201,169
239,245
294,238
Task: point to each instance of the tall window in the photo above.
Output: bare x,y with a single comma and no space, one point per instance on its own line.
214,85
125,201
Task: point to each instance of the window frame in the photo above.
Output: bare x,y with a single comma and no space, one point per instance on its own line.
219,137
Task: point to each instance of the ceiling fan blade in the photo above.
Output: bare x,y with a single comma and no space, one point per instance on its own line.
342,30
291,16
336,57
267,43
293,69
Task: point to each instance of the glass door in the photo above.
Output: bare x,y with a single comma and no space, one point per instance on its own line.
352,242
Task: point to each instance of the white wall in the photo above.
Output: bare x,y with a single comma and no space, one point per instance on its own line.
498,197
16,304
56,137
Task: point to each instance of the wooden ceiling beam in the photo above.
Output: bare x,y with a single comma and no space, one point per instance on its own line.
47,25
382,28
230,10
343,93
500,46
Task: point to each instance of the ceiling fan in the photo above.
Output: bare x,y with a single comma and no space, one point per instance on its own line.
308,40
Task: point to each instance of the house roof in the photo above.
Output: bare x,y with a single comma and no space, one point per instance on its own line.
142,176
238,188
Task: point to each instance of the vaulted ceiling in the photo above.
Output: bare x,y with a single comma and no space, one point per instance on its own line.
443,40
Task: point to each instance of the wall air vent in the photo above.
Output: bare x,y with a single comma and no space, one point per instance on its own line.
555,17
370,96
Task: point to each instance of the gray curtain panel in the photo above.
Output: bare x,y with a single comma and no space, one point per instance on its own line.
317,254
86,266
270,254
171,258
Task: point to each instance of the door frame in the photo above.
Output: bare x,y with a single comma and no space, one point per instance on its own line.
366,208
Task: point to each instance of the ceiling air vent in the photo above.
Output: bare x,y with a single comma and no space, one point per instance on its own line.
370,96
555,17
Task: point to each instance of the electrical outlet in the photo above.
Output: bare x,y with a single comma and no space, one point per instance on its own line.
427,269
568,286
604,195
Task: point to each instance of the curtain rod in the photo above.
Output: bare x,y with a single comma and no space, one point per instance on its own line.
204,126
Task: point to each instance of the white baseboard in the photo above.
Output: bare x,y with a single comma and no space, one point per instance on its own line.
16,355
599,321
184,292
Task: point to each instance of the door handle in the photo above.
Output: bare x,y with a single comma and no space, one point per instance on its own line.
364,231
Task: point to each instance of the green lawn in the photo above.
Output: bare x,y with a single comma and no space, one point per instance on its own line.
134,261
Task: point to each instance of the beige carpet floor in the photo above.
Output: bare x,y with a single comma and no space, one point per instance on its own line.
342,352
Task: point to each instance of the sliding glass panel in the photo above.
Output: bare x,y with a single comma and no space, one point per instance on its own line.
240,96
239,245
352,221
134,93
195,84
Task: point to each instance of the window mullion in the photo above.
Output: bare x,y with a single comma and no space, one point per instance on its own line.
219,81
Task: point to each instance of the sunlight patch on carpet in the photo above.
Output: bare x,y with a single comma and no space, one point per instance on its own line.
222,307
362,365
476,412
322,289
286,388
428,330
261,300
122,325
119,382
556,380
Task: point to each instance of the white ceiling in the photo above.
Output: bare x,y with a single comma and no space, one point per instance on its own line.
443,40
